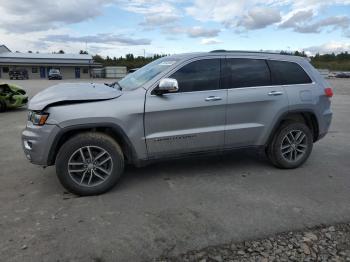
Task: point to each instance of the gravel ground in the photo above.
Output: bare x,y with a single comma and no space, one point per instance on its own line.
317,244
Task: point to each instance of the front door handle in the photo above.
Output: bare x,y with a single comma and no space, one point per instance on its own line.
213,98
275,93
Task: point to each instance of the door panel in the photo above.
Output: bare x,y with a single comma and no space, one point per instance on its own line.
253,104
193,119
42,72
251,113
77,72
185,122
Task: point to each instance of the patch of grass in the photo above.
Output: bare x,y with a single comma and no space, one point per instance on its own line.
332,65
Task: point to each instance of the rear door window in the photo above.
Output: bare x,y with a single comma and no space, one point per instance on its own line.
243,72
288,73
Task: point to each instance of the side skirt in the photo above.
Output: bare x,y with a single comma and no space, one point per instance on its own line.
156,159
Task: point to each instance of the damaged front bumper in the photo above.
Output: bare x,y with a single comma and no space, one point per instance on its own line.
37,142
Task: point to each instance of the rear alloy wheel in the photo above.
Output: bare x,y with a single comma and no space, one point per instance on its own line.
294,145
89,164
291,145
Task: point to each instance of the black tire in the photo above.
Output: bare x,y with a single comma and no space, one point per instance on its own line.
277,150
89,140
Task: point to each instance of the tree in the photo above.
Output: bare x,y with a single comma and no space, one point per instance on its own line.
296,53
61,52
339,62
130,61
82,52
129,57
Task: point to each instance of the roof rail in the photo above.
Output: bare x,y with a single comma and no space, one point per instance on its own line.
244,51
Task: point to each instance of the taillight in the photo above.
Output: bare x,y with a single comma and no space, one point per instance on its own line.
328,92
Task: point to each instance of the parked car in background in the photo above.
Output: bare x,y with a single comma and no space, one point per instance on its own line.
343,75
332,75
55,74
178,106
18,73
11,96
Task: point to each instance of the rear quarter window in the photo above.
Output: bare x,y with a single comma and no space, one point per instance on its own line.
288,73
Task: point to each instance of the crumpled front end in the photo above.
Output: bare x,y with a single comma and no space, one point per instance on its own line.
17,101
72,93
13,96
37,142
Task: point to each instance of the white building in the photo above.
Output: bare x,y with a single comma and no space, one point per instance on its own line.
39,65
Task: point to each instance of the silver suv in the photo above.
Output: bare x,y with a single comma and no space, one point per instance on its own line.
178,106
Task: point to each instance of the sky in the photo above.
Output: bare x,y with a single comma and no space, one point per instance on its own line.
118,27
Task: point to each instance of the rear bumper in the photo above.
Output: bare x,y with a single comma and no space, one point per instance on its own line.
37,142
55,77
325,124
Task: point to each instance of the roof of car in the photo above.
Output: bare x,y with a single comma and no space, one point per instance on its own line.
238,53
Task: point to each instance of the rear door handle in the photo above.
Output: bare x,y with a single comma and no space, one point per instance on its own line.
213,98
275,93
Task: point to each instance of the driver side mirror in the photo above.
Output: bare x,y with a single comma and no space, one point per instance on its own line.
167,85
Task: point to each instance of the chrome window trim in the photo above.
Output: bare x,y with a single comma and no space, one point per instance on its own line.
313,83
271,86
202,91
228,89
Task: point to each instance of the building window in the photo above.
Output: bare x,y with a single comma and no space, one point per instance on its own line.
85,70
5,69
34,70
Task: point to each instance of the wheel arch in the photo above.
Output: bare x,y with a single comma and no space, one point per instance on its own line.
115,131
306,116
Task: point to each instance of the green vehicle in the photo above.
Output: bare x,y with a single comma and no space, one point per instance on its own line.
11,96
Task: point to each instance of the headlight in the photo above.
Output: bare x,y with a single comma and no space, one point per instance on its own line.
37,118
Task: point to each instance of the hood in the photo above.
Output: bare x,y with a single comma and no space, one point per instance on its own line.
72,92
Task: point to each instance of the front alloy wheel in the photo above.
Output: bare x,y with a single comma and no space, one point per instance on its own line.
89,163
90,166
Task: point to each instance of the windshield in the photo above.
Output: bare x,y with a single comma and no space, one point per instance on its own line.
54,71
146,73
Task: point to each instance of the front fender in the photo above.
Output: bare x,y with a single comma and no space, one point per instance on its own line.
117,132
